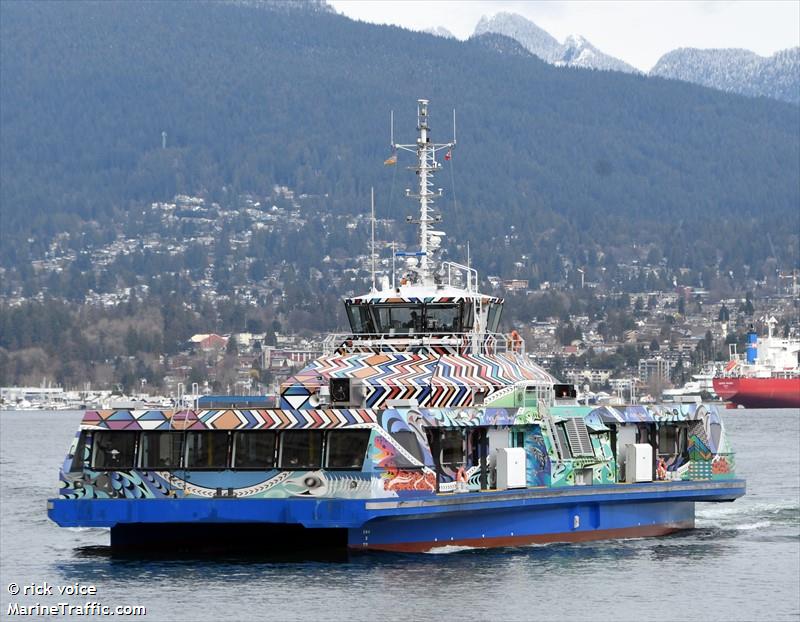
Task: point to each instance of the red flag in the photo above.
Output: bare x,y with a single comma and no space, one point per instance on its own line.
448,155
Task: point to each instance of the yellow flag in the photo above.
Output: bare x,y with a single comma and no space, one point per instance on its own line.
391,161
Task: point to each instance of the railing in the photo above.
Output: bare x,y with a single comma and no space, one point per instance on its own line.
460,343
460,275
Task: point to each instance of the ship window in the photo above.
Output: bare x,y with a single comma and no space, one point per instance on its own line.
715,436
114,450
78,456
360,319
452,447
301,449
443,318
346,449
254,450
668,439
402,319
493,320
468,317
160,450
408,441
207,450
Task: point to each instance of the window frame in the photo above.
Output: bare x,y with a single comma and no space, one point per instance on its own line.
93,457
185,451
442,449
327,445
360,311
458,307
380,329
283,467
494,309
236,434
170,467
78,464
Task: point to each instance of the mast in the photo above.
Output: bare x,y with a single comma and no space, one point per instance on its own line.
372,246
425,149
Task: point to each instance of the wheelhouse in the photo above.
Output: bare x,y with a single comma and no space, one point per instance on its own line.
443,316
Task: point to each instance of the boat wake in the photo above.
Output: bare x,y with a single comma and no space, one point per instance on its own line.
750,517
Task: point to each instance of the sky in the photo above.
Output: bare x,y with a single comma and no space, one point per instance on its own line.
638,32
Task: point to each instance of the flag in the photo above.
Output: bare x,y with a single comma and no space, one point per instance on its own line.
391,160
448,155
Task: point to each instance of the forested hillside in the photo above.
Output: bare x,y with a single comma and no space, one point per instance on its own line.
250,97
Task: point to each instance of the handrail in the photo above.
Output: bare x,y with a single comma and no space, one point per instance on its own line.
470,274
475,343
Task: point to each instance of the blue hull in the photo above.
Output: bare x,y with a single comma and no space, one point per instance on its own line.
405,524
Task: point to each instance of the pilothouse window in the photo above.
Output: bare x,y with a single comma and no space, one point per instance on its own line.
360,319
493,321
443,318
399,319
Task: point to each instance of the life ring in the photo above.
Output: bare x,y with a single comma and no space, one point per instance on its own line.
515,341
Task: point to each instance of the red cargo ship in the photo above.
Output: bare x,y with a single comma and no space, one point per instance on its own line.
767,376
760,392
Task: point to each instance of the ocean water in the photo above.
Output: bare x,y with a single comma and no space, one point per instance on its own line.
742,562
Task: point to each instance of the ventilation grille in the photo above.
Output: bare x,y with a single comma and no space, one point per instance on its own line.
578,436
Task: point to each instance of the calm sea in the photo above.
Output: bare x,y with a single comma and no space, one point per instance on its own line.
741,563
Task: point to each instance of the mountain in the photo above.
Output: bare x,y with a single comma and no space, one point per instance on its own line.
574,52
578,52
554,166
534,39
500,44
440,31
736,71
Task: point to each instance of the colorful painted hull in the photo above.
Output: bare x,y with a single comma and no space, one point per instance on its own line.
760,392
413,524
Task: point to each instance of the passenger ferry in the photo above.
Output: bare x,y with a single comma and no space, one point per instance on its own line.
422,427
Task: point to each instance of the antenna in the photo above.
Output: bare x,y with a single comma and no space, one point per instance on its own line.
454,126
372,203
425,151
391,127
468,265
394,252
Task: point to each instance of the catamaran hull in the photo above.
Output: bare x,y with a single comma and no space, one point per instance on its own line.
507,518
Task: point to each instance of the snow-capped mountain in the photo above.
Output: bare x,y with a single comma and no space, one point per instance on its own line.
574,52
439,31
735,70
530,36
578,52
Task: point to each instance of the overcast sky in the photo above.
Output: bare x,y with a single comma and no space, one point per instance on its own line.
637,32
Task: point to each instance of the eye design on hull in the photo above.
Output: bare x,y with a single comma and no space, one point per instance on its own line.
312,482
